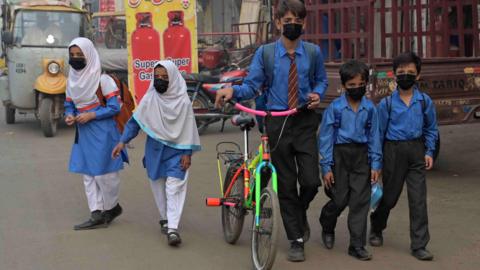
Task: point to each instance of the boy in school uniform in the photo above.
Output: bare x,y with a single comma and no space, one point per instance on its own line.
408,129
293,73
351,158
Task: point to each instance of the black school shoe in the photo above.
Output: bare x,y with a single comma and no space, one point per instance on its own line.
306,230
376,239
422,254
111,214
328,239
96,220
359,253
296,252
164,226
174,239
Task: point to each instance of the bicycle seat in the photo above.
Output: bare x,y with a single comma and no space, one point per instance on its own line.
197,77
243,121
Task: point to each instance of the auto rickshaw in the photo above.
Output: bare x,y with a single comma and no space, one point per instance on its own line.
35,41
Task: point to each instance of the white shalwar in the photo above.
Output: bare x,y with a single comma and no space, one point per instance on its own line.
170,196
102,191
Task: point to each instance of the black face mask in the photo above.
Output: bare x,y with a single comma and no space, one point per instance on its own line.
356,93
160,85
292,31
77,63
406,81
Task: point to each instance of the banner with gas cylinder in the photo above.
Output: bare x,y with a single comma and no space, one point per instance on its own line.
159,29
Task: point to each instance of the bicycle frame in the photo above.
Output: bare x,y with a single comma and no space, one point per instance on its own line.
249,167
258,177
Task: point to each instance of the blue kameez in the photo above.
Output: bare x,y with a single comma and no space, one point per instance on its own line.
160,160
95,140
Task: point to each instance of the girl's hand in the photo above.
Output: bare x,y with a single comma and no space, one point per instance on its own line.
186,161
85,117
70,120
117,150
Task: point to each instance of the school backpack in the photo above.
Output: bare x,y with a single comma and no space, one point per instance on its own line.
269,61
338,121
127,105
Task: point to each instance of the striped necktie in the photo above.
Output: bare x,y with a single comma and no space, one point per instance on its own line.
292,83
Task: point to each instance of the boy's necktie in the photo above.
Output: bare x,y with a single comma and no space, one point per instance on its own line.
292,83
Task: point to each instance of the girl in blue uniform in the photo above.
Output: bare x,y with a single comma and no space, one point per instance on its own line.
96,133
165,114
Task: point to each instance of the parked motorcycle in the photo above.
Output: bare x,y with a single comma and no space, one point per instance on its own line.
202,90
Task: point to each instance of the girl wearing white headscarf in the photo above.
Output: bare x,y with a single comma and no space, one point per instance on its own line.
96,133
165,114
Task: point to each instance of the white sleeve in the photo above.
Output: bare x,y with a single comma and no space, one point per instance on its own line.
109,87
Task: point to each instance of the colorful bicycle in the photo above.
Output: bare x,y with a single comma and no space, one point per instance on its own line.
241,194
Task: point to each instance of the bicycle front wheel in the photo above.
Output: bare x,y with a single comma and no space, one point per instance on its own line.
233,216
265,235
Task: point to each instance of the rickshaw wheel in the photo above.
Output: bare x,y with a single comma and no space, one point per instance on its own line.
9,115
46,112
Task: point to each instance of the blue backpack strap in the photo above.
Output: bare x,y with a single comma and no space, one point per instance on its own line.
368,124
388,100
311,50
337,124
423,102
268,55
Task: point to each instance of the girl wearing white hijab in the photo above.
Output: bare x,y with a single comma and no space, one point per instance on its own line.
96,133
165,114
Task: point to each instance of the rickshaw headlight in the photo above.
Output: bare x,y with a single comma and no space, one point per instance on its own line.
53,68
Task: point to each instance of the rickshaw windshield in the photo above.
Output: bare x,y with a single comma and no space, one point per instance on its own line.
47,28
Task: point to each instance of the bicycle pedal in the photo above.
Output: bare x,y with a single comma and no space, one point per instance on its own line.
213,201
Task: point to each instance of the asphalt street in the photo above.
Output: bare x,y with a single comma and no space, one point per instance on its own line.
40,201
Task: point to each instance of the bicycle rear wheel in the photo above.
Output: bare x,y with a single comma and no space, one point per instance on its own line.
233,217
265,236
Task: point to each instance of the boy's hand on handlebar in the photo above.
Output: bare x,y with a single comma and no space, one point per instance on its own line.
314,99
223,95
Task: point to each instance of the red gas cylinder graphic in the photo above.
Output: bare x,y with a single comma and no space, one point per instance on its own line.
134,3
177,43
145,53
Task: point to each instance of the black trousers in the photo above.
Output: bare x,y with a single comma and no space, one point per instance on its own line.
404,161
352,188
295,157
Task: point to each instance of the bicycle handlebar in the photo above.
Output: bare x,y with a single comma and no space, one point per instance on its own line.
240,107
